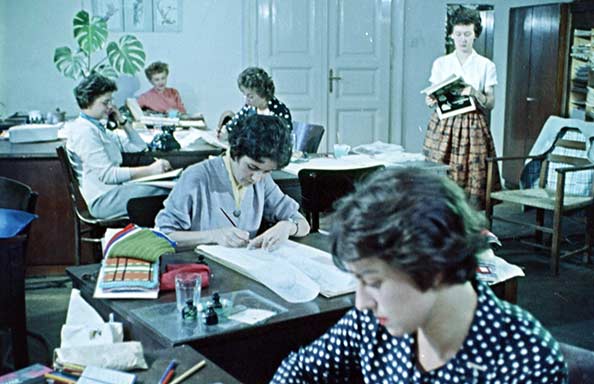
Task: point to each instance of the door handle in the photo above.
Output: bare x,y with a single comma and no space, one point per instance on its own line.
530,99
331,78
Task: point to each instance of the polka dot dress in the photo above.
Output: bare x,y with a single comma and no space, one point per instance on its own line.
276,109
505,344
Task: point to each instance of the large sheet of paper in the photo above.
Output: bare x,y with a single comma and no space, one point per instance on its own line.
296,272
331,163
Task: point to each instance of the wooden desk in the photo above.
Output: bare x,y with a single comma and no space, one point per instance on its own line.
251,354
36,164
186,358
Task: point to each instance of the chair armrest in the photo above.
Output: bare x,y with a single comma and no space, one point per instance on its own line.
575,169
505,158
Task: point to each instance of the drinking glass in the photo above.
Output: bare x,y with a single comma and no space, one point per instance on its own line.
187,287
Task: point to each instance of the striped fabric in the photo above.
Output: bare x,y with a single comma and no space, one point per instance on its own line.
125,273
464,142
140,243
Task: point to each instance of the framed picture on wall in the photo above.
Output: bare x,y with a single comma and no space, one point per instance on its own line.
138,15
112,11
167,15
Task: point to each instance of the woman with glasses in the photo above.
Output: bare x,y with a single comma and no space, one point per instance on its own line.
258,88
464,141
96,153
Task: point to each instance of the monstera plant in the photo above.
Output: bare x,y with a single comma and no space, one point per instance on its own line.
124,56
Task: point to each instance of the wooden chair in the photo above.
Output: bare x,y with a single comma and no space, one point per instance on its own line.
143,210
307,136
13,314
321,188
563,167
87,228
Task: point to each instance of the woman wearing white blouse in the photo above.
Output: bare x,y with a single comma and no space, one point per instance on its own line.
464,141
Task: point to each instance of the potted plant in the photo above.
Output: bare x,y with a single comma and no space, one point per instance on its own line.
126,56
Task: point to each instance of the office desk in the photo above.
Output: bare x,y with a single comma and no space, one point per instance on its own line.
250,354
37,165
186,358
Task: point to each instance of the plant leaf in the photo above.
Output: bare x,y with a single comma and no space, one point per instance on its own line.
127,55
90,34
107,71
68,63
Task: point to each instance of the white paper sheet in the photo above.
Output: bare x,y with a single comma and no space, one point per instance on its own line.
296,272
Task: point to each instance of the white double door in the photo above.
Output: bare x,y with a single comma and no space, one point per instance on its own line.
330,61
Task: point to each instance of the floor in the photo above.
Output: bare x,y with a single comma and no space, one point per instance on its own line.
564,304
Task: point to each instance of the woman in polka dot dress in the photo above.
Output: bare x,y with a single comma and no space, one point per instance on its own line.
410,238
258,88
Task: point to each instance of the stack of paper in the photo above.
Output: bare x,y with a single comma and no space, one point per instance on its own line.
296,272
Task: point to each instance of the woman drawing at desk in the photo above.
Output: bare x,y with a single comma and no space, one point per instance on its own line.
160,98
464,141
95,152
223,200
421,316
258,88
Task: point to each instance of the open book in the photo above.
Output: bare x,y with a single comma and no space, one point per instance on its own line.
450,101
139,115
296,272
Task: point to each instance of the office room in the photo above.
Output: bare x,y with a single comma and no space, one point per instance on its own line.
353,70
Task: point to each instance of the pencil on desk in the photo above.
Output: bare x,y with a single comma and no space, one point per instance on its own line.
189,372
229,218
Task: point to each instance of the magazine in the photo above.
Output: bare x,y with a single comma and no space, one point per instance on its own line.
448,94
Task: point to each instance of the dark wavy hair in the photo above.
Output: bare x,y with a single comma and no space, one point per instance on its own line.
261,136
258,80
419,223
466,16
154,68
91,87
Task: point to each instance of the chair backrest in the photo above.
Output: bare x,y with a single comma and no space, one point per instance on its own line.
143,210
307,136
569,149
16,195
321,188
580,363
79,206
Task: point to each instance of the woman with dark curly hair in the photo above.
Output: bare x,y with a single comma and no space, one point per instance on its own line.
411,239
464,141
223,200
258,88
96,153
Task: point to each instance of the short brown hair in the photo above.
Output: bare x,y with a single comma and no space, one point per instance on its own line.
154,68
418,222
257,80
91,88
465,16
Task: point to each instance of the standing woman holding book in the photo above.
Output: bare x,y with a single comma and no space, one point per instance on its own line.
464,141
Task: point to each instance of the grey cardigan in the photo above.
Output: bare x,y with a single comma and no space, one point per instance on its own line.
203,189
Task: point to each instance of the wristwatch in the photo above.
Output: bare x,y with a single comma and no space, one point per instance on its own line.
294,221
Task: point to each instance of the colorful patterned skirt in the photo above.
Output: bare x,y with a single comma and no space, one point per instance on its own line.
464,142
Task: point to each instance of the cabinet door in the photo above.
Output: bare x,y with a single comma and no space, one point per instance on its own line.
534,78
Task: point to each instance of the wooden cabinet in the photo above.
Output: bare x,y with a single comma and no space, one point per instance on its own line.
535,78
580,90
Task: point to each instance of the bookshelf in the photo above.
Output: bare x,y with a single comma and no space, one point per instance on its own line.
581,88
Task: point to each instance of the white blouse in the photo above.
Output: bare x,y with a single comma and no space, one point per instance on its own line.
477,71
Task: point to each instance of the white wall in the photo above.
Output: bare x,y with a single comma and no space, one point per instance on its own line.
204,59
418,42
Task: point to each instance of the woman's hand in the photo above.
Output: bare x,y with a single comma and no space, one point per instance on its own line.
430,101
230,237
160,166
273,237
